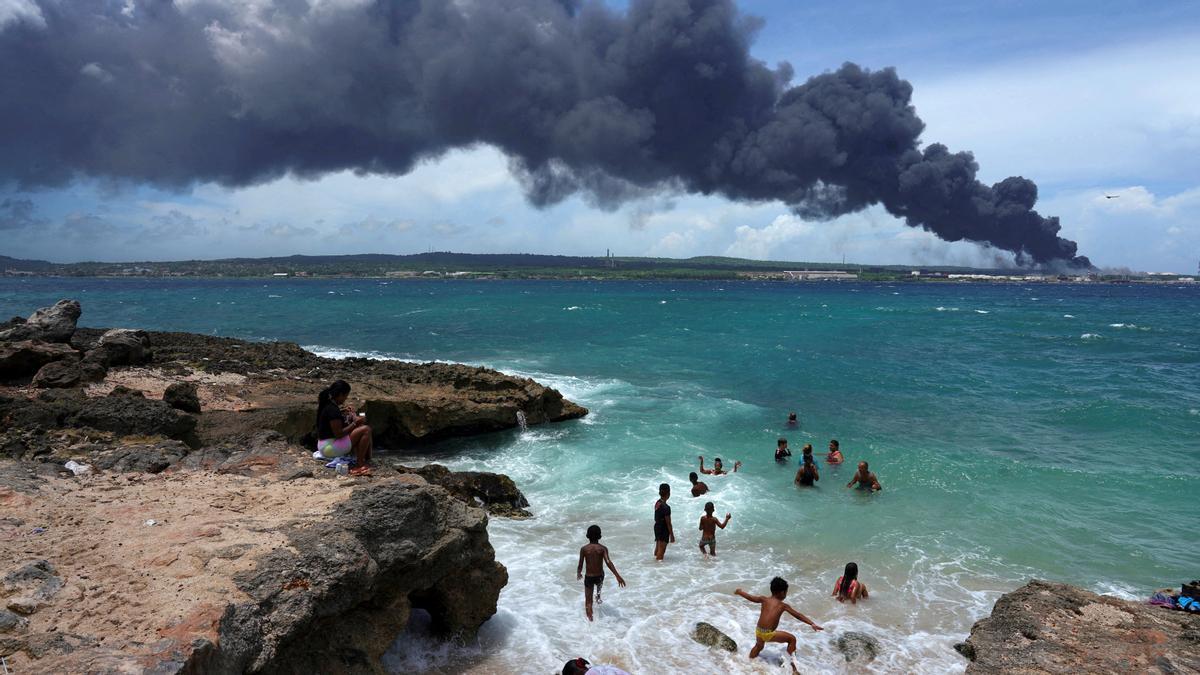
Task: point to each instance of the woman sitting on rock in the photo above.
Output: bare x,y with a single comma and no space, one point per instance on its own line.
337,434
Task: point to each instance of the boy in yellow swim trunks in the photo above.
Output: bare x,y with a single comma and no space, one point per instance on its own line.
773,608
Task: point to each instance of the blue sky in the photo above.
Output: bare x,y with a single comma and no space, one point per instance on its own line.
1085,98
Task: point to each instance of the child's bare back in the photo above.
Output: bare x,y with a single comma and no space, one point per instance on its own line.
593,558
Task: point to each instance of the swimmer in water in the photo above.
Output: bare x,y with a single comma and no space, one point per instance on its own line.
848,587
718,468
865,479
773,607
835,453
708,529
808,474
698,487
781,450
793,420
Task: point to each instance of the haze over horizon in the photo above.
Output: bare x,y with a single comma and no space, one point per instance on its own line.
1089,100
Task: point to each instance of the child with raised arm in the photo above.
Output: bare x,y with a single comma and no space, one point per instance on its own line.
708,529
718,468
773,607
595,556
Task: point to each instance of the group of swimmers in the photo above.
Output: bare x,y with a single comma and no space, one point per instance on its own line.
594,556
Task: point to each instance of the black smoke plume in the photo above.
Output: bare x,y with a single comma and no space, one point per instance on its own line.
663,96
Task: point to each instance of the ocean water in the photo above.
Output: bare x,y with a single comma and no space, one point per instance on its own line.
1047,431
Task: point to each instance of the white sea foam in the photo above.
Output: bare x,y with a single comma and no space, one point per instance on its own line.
1090,336
1068,316
947,309
274,296
662,302
572,308
982,311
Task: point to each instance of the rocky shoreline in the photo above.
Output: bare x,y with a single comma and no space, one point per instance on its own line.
200,536
1047,627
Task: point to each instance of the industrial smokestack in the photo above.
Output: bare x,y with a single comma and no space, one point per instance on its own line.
583,99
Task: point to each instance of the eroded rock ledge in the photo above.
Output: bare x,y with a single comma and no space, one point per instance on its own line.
1046,627
201,536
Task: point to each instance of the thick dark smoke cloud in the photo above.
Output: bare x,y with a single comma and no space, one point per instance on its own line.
582,98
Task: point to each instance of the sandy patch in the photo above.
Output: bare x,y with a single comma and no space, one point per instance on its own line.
217,391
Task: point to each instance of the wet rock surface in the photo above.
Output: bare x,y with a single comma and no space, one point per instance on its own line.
1046,627
857,647
710,636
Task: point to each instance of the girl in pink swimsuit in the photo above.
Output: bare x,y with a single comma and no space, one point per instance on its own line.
848,586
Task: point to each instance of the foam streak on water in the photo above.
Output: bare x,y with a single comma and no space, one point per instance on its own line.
1011,445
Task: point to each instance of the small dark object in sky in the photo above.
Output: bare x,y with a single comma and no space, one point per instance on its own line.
1111,196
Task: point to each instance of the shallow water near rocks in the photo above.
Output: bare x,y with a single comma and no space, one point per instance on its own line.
1018,431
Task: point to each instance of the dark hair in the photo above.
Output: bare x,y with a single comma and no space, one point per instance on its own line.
708,507
665,487
575,666
717,459
848,577
807,449
334,390
778,585
791,416
808,460
781,441
593,533
834,443
693,477
865,466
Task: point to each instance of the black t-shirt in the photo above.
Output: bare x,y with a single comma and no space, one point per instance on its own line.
662,511
328,412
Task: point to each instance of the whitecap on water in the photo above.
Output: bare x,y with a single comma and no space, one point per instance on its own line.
572,308
662,302
1090,336
982,311
274,296
1068,316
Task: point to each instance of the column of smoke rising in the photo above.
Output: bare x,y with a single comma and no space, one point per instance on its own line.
615,105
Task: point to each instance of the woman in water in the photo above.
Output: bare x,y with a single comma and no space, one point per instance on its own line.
848,586
807,475
835,453
339,433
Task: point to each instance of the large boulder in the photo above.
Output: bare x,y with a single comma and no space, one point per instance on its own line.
1046,627
710,636
134,416
49,324
495,492
183,396
24,358
121,347
58,375
857,647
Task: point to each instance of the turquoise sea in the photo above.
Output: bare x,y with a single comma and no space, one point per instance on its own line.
1019,431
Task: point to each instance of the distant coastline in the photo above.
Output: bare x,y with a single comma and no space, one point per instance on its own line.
529,266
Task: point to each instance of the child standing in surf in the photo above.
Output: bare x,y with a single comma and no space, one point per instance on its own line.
595,556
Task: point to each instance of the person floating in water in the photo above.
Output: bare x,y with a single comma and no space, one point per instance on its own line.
781,450
718,468
835,453
865,479
848,587
808,474
793,420
664,533
595,556
708,529
699,487
773,607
